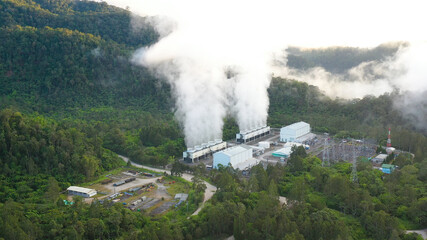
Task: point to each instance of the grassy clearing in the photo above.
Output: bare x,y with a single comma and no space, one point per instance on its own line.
177,187
104,176
115,171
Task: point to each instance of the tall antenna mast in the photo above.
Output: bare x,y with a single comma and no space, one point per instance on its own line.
389,138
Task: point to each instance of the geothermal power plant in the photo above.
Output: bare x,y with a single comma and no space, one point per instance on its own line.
208,149
247,136
203,150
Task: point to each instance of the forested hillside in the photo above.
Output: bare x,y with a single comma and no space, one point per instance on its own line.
70,100
58,68
96,18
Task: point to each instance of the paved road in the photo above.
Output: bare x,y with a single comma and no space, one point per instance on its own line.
422,232
209,192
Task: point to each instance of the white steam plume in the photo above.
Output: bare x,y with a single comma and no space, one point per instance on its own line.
203,38
196,57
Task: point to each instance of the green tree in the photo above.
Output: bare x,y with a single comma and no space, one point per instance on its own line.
52,192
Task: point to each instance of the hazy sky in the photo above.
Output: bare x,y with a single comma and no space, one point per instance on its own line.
307,23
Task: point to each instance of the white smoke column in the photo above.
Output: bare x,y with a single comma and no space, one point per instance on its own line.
198,90
195,57
209,36
251,97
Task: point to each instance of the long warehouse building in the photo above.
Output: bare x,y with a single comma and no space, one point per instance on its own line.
81,191
292,132
247,136
204,150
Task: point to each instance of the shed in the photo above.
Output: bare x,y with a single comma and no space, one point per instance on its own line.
181,196
283,152
388,168
379,158
80,191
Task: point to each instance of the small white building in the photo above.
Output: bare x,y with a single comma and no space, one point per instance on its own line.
283,152
379,158
291,144
286,151
81,191
181,196
292,132
234,156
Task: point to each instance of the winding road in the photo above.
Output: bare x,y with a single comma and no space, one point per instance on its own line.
209,192
422,232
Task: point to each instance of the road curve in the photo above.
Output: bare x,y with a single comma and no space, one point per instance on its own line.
422,232
209,192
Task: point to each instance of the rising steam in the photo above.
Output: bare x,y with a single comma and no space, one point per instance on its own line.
215,67
203,41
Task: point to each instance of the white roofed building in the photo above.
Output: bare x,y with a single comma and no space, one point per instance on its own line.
379,158
234,156
292,132
81,191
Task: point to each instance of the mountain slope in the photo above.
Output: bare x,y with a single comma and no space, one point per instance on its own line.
97,18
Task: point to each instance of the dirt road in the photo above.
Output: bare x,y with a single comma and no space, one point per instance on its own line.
209,192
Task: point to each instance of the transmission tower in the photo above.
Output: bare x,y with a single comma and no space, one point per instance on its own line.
345,152
325,159
333,151
354,170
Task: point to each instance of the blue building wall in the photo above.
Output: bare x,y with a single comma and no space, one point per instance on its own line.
220,158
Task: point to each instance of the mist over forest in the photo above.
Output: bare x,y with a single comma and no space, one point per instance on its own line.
338,60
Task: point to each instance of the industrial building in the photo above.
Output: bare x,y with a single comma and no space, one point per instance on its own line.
239,157
294,132
203,150
379,158
80,191
247,136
